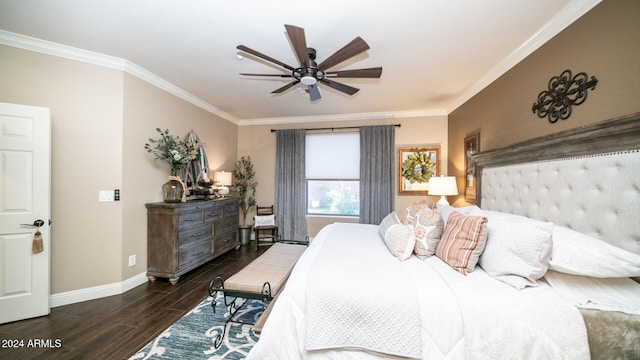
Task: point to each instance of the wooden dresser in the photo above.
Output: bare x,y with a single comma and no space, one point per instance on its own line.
183,236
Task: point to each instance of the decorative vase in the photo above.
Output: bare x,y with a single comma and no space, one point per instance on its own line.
173,190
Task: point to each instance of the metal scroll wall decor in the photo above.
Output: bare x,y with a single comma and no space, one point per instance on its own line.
564,92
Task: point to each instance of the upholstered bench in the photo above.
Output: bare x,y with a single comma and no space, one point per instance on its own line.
262,279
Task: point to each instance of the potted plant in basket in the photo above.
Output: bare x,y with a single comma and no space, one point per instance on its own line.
244,185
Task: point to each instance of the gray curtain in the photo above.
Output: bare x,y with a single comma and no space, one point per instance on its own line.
377,144
290,200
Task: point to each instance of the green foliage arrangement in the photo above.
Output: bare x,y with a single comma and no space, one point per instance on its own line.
244,184
173,150
418,168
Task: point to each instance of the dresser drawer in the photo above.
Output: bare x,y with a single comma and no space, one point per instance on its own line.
225,241
194,253
214,213
223,226
231,211
188,219
194,234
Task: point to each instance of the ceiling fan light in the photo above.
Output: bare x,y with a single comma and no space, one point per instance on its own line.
308,80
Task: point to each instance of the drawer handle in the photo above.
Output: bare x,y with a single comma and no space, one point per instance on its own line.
197,254
198,234
214,214
195,219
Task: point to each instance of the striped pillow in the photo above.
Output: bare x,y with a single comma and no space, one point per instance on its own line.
463,240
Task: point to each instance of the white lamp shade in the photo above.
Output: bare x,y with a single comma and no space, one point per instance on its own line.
443,186
222,178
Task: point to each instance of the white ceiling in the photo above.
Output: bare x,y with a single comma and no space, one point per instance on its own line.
435,54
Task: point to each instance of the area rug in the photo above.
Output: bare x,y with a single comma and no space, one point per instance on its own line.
193,336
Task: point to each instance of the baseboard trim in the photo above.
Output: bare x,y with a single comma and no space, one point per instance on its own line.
76,296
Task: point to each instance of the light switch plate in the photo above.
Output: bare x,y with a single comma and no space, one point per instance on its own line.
105,195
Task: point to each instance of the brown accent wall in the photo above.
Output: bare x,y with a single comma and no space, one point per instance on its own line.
605,42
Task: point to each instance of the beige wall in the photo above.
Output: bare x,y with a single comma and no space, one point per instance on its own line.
259,142
101,119
605,43
145,108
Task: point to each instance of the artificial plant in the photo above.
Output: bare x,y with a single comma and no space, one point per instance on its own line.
244,185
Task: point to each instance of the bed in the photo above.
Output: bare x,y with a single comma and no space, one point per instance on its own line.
539,269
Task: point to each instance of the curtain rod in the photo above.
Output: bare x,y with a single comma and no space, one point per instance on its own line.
333,128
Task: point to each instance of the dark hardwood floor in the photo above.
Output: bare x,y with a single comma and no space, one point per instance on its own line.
116,327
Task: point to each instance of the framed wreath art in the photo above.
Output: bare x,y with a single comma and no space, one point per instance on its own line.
416,166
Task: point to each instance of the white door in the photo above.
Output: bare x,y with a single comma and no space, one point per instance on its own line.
25,193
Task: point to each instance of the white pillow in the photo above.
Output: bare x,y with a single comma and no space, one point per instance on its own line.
388,220
517,250
265,220
580,254
446,210
400,240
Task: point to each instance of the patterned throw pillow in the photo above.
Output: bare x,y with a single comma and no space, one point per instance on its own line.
412,211
428,230
462,242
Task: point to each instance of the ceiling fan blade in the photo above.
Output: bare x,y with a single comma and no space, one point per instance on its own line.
340,87
296,34
355,47
314,92
286,87
273,75
264,57
373,73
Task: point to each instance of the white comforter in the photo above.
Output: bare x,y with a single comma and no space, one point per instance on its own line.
462,317
359,296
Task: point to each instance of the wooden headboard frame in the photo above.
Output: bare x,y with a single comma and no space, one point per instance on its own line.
607,136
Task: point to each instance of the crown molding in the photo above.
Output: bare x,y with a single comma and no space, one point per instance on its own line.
94,58
343,117
553,27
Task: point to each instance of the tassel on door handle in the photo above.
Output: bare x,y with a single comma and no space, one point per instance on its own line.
37,245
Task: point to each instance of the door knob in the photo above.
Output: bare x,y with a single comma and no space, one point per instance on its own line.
36,223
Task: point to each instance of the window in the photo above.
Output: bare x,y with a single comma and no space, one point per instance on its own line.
333,173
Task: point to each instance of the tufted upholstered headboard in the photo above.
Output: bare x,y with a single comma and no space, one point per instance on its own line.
587,179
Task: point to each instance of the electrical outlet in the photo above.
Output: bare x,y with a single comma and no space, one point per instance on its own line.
132,260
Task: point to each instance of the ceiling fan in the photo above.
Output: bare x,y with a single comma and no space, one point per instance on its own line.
309,72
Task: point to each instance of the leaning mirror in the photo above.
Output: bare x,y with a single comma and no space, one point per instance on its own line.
196,174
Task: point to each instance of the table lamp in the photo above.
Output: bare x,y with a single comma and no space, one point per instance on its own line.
443,186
